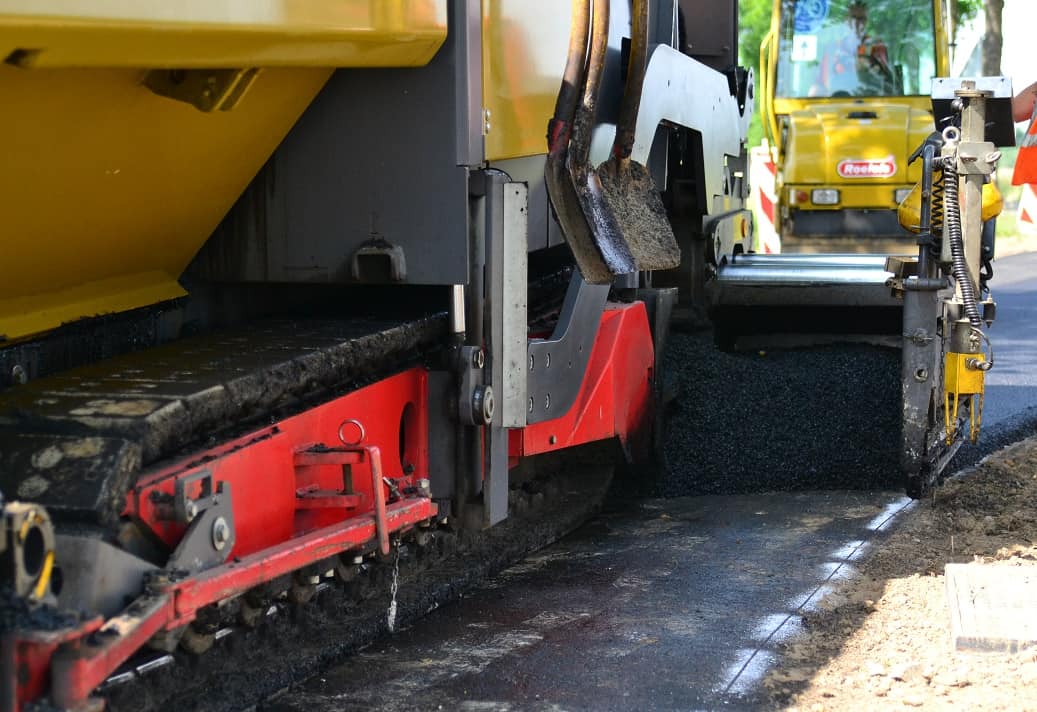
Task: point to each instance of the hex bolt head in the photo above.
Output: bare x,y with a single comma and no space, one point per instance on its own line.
483,404
191,510
479,358
220,533
18,375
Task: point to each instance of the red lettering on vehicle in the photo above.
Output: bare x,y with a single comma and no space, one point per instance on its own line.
867,167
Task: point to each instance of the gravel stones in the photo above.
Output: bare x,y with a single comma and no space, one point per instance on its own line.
781,419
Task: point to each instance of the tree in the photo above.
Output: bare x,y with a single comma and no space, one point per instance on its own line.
754,19
961,12
993,39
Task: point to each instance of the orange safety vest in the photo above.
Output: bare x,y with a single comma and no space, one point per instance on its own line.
1026,162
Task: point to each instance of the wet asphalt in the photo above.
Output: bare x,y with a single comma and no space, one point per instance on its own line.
679,599
678,604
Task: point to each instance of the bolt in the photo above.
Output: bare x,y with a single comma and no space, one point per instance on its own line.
993,157
530,405
479,358
18,375
190,510
553,439
547,402
922,375
220,533
482,404
531,362
920,337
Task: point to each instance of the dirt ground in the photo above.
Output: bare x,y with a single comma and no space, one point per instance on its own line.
883,640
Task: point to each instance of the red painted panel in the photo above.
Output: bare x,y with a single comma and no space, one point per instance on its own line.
260,467
616,394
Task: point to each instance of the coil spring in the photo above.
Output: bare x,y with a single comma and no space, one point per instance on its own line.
954,235
936,209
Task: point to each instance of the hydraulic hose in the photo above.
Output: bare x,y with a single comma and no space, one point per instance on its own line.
952,231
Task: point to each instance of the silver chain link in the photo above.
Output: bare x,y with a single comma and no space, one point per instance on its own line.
391,616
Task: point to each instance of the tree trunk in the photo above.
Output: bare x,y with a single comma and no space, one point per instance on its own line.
993,39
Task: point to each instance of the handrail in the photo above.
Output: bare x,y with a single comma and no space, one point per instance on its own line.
767,79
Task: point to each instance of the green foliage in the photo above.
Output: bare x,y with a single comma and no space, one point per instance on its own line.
965,10
754,19
961,12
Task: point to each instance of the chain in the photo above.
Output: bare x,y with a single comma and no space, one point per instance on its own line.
391,616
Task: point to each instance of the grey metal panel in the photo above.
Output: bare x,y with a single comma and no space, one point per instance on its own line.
682,91
558,365
442,433
98,577
380,157
662,23
497,224
530,170
466,23
711,32
923,451
349,174
512,400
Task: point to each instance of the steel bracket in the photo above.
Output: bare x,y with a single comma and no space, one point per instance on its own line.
379,251
475,400
725,231
977,158
210,534
557,364
205,89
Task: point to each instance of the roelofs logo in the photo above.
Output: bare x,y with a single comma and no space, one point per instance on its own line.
867,167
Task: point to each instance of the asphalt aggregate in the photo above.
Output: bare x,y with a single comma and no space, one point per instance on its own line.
789,419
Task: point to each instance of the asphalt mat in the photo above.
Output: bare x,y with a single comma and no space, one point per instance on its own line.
679,605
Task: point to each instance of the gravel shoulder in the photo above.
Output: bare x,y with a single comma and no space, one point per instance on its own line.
883,639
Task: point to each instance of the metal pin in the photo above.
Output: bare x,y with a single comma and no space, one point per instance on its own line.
159,662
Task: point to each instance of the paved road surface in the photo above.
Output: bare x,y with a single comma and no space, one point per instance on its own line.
1012,383
676,604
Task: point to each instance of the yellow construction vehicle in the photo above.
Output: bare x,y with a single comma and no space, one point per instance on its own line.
845,90
288,282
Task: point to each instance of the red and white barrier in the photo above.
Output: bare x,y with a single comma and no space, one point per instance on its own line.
763,200
1027,219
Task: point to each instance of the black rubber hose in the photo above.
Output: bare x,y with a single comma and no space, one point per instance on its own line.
952,230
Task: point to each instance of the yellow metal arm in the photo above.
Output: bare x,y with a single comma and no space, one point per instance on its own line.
767,79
